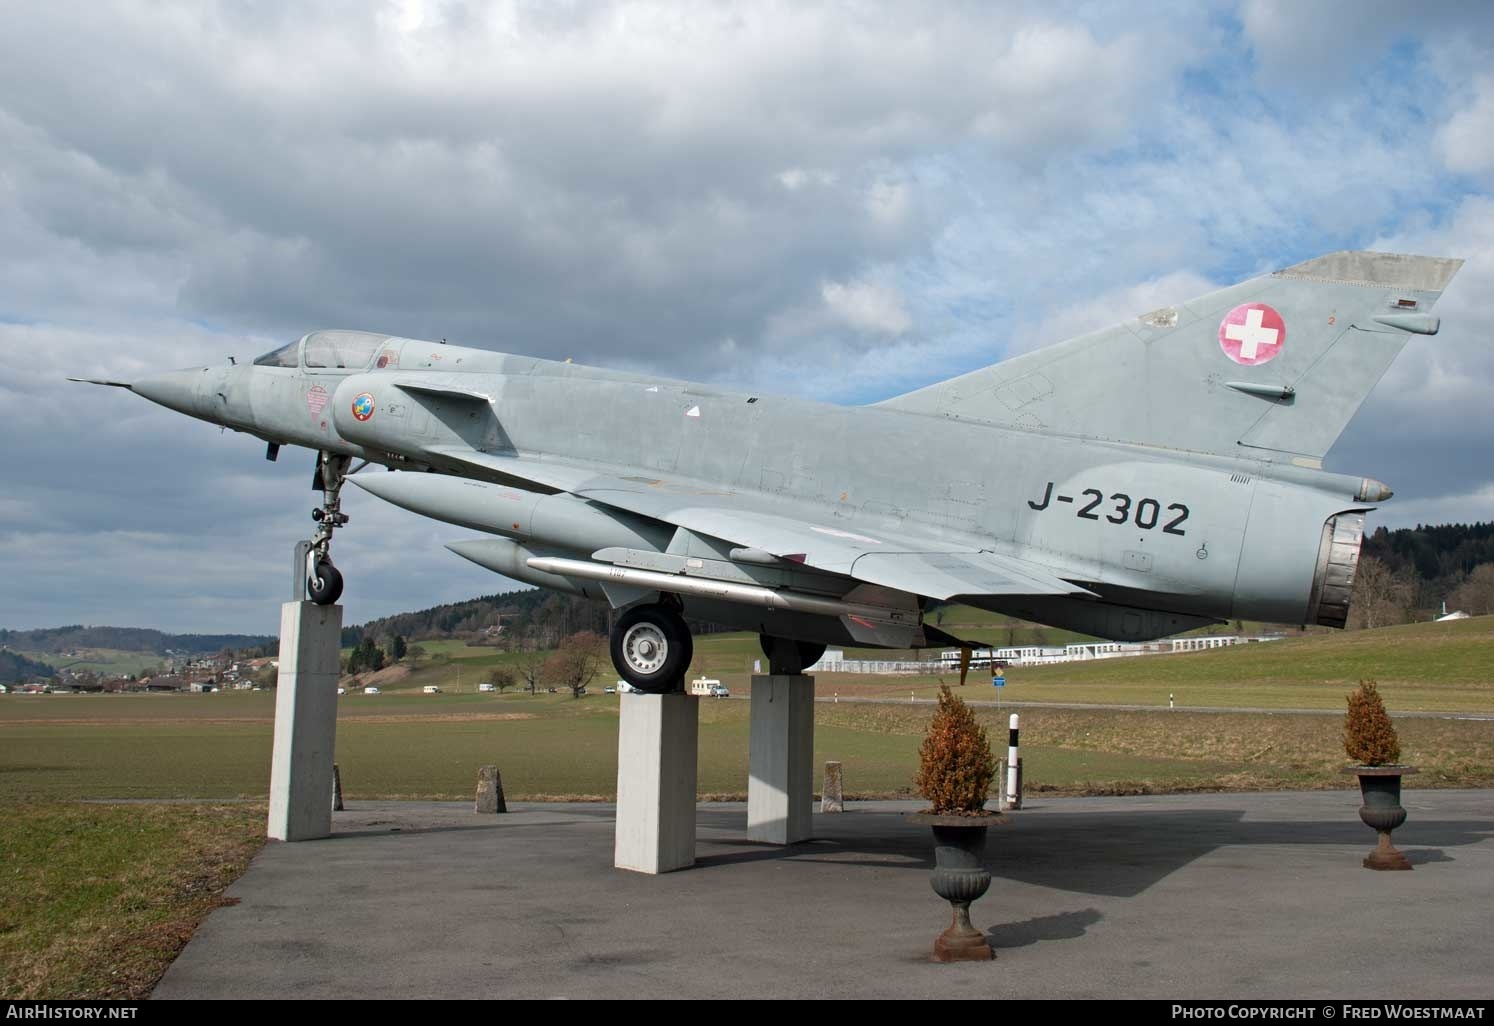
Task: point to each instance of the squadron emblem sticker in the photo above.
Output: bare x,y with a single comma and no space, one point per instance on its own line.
315,400
1252,333
363,406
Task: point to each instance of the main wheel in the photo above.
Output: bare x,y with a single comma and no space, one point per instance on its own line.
786,656
651,648
324,585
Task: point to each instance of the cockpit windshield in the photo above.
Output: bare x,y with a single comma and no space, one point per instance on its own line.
342,349
331,350
285,356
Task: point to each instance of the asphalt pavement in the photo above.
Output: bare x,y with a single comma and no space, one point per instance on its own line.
1181,896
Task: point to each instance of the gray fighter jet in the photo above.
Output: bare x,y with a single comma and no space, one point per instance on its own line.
1143,480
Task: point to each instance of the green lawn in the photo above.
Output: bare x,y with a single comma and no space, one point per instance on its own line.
96,900
1440,667
414,745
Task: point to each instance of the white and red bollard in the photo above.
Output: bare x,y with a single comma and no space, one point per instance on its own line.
1013,768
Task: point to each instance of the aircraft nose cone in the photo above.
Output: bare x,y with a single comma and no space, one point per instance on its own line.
178,390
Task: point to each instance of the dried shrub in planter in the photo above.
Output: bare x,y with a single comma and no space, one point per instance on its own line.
1369,736
955,767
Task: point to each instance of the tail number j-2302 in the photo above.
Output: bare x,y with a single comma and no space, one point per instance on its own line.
1119,508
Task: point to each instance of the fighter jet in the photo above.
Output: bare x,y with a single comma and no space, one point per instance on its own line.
1143,480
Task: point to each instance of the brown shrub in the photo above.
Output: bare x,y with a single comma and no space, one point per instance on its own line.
955,767
1369,736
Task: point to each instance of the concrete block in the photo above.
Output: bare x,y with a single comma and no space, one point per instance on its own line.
657,748
780,785
490,791
305,722
832,797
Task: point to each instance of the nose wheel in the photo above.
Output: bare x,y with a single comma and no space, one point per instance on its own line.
324,583
652,648
323,580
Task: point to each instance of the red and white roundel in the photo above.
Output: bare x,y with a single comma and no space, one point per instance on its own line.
1252,333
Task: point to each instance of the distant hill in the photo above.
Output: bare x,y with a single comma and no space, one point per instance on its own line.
533,616
549,615
16,667
127,639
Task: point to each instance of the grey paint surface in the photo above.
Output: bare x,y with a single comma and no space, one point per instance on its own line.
1129,484
1217,896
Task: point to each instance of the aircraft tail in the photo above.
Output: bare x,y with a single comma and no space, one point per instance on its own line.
1272,368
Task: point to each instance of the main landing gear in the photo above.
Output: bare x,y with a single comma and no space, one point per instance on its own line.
323,581
652,648
788,658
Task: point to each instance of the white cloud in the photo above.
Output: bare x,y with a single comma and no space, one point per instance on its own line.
737,192
867,306
1466,141
1113,306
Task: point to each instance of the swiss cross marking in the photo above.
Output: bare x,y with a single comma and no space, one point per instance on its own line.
1252,333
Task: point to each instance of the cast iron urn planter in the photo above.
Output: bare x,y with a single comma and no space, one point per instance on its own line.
1380,787
960,877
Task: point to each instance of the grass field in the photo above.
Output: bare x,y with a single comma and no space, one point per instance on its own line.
1439,667
405,744
96,900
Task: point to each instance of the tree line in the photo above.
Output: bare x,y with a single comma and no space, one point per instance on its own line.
1409,574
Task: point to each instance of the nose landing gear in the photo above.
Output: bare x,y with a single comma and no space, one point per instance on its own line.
323,581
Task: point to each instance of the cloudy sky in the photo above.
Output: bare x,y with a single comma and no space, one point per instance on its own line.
842,200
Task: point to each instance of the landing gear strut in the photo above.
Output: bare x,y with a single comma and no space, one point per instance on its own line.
652,648
323,581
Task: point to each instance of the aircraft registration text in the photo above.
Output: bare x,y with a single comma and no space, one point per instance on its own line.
1120,508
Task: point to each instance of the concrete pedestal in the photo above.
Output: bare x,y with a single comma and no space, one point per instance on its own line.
780,786
305,722
657,744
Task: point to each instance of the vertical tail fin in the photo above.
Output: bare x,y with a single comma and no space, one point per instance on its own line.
1273,367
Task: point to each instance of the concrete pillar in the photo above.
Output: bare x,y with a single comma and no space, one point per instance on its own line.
305,722
657,747
780,785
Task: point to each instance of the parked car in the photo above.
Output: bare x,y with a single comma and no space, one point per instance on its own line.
719,691
609,690
431,689
372,691
487,687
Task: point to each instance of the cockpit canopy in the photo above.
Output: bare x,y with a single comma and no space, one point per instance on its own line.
327,350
